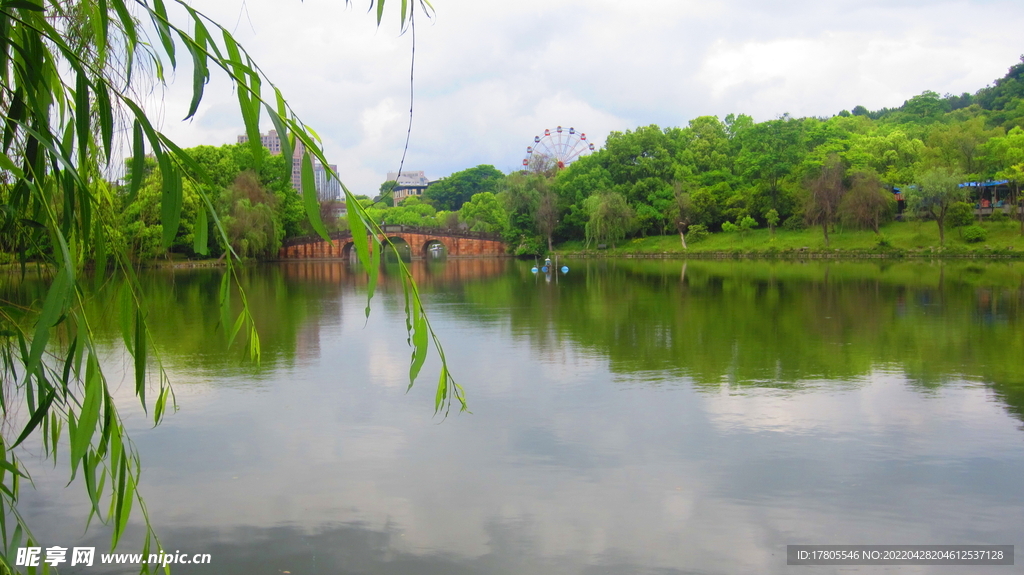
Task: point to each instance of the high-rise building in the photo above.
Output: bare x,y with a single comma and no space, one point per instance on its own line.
328,188
408,184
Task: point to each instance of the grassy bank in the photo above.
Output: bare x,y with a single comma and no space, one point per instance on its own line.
896,239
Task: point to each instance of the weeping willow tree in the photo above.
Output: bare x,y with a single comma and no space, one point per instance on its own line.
72,73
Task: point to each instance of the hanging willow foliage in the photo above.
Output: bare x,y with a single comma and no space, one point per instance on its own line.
71,72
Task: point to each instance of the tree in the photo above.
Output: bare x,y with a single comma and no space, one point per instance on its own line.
70,71
826,193
681,212
936,190
483,213
547,214
867,202
248,215
451,192
772,219
610,219
770,151
387,192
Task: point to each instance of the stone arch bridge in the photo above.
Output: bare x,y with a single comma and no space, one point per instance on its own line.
457,244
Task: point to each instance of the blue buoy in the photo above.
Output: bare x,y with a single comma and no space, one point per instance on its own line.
544,269
565,269
533,269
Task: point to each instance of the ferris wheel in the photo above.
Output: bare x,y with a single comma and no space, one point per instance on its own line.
559,148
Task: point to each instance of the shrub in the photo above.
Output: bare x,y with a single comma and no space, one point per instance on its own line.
998,216
729,227
746,224
794,223
974,234
696,233
960,214
883,242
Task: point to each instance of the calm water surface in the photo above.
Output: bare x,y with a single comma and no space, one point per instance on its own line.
628,417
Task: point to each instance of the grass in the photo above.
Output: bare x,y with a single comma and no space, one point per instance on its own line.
904,238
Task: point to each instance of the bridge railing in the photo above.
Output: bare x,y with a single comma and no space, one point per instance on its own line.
398,229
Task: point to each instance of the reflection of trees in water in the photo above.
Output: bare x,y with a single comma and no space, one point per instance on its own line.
779,324
758,324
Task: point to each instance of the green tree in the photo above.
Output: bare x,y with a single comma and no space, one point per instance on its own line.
867,203
936,190
681,212
770,152
610,219
772,219
826,194
451,192
484,213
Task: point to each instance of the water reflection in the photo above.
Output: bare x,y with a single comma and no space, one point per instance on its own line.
634,417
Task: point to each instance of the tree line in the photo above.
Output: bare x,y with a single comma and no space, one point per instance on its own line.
734,173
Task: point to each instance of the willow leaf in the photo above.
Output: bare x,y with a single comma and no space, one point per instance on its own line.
442,389
37,416
310,199
419,354
90,413
372,272
358,228
106,118
200,76
138,160
140,357
170,204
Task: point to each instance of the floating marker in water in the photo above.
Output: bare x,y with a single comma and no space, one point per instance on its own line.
533,269
565,269
544,269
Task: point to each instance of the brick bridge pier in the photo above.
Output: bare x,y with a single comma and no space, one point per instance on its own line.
457,244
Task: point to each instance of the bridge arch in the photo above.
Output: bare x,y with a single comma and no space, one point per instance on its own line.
348,251
433,248
398,247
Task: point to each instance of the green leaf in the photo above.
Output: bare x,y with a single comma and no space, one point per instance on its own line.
419,339
200,71
140,357
8,164
355,223
170,204
53,309
82,116
201,233
442,389
160,22
372,272
106,117
286,143
138,161
90,412
310,200
22,4
37,416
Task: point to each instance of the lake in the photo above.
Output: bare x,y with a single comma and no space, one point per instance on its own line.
632,416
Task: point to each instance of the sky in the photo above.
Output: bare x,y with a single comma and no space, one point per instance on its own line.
490,75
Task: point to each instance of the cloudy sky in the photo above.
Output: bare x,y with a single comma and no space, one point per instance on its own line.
492,74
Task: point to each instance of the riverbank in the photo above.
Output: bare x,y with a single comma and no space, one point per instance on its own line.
897,239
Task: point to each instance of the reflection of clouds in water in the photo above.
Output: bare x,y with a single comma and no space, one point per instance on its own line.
884,402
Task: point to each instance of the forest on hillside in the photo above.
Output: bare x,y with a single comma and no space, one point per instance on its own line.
733,172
